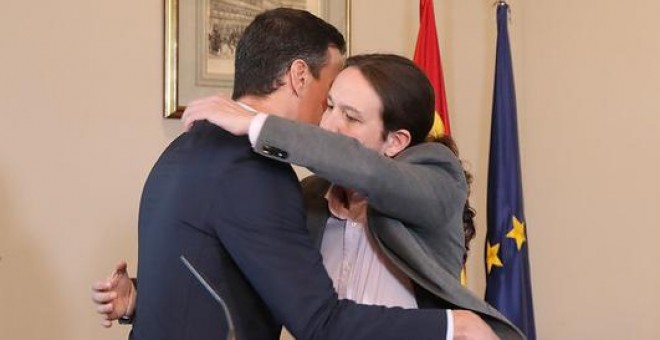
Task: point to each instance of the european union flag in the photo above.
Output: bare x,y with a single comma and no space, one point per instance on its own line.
508,279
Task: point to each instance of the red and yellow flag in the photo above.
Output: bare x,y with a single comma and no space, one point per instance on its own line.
427,57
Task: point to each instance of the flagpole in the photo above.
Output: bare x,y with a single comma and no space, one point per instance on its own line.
505,4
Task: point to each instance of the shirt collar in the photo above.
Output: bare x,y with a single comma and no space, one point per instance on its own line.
346,204
247,107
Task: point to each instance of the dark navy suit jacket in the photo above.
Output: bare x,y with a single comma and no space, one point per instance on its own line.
239,218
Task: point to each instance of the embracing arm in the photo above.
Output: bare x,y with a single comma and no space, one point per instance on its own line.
426,180
422,185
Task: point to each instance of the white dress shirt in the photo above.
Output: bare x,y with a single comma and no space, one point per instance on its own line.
358,268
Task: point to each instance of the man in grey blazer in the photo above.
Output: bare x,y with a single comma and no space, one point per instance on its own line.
408,247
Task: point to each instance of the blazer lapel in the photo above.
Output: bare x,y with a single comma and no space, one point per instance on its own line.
316,206
408,254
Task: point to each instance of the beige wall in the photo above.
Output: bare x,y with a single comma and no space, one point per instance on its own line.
81,99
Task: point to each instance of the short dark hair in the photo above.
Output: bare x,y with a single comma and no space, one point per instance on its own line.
404,90
273,41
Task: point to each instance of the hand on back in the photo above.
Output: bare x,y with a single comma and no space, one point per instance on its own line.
468,325
115,296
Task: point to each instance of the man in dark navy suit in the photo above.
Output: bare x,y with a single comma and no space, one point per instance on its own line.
239,217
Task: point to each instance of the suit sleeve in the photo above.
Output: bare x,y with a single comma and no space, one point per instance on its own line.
259,217
422,185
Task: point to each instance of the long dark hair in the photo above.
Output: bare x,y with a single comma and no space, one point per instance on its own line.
404,89
468,211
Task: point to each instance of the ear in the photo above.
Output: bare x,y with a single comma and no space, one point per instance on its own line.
396,142
298,76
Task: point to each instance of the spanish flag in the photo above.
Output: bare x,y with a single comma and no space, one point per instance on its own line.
427,57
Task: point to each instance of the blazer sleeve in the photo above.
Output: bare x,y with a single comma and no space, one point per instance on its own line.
421,186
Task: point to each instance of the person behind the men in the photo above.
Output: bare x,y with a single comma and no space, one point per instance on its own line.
239,217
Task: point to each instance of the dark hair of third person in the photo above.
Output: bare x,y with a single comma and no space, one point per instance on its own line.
468,211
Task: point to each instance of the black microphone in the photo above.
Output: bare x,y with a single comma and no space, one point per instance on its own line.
231,334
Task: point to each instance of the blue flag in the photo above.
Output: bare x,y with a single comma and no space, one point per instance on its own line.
508,286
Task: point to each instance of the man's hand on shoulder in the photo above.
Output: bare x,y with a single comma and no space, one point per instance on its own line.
468,325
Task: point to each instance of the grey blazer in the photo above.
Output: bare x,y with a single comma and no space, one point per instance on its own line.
424,187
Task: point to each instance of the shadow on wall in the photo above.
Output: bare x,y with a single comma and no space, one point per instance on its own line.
30,299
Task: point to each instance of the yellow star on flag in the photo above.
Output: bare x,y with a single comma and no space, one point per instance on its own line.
517,232
491,256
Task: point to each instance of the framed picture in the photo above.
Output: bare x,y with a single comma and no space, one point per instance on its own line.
201,36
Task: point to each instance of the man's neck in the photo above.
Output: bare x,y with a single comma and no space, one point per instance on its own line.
270,104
